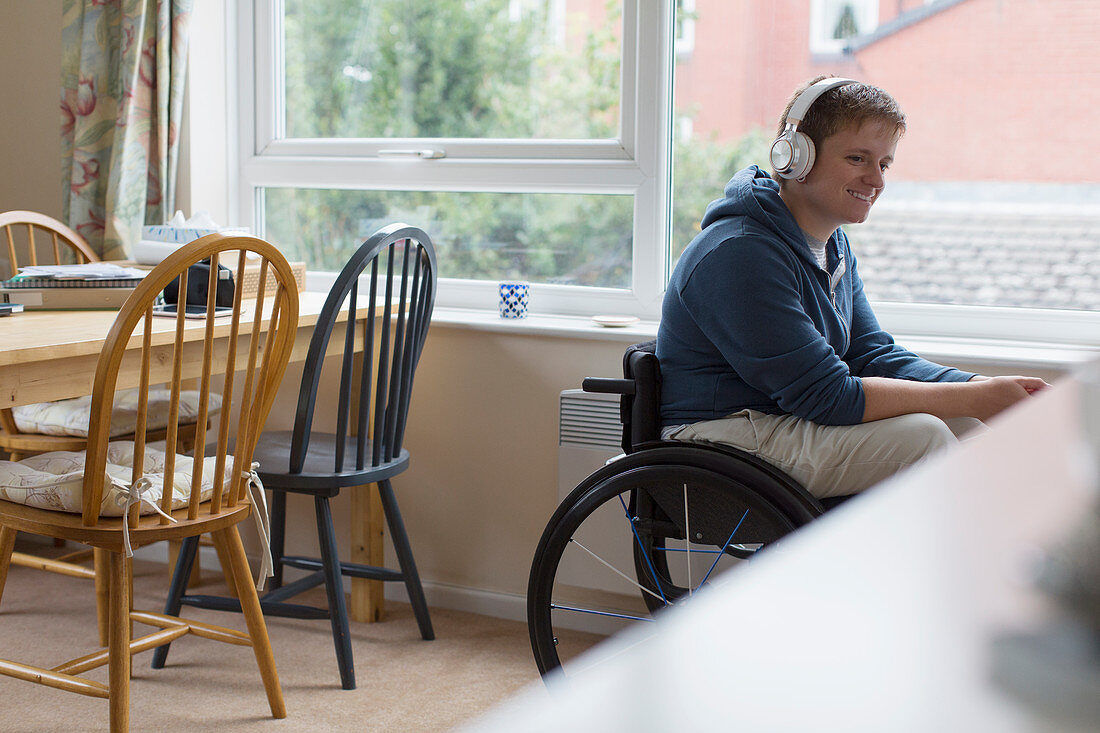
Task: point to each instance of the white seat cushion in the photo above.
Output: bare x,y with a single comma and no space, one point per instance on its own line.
55,480
72,417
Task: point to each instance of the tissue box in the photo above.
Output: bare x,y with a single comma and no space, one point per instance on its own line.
160,240
153,252
174,234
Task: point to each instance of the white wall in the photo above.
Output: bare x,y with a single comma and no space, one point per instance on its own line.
482,436
30,121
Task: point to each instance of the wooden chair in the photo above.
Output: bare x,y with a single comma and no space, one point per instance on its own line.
252,351
36,239
398,268
30,238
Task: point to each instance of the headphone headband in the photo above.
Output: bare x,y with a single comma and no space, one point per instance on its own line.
792,153
805,100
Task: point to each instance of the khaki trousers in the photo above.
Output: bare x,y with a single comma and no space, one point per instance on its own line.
833,460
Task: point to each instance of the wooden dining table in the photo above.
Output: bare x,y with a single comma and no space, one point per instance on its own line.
51,355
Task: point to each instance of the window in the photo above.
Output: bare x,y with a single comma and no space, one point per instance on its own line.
508,129
576,143
989,225
584,239
834,23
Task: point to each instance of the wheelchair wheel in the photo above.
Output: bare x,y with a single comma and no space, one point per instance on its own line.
644,533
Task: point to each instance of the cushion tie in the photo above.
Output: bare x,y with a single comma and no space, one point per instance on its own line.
127,497
263,524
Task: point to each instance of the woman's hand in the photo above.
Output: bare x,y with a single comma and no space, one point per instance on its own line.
992,395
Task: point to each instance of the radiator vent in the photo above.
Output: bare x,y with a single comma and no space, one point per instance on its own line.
589,420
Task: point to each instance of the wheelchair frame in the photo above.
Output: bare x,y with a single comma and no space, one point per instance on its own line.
728,488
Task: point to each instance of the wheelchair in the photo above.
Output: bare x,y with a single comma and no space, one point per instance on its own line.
646,530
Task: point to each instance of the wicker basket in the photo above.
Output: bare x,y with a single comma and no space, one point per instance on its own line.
249,282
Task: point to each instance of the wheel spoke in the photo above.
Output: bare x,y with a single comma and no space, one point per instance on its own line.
687,537
595,612
618,572
728,540
648,561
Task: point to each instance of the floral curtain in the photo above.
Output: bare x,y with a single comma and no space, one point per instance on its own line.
122,79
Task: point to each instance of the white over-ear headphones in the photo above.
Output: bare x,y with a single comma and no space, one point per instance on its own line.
792,153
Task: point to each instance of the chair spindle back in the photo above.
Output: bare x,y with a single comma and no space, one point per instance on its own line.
260,338
399,265
30,238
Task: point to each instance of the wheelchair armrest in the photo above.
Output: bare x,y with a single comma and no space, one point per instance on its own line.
608,386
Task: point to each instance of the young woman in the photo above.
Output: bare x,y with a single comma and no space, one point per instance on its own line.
767,341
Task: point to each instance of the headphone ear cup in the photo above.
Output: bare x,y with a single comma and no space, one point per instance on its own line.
782,154
804,155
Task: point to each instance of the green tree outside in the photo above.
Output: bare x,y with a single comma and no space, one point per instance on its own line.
474,69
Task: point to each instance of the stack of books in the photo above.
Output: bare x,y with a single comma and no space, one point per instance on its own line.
93,286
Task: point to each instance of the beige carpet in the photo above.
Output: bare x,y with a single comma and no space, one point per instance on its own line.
404,683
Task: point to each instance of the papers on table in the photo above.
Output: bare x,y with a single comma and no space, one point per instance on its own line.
98,285
88,271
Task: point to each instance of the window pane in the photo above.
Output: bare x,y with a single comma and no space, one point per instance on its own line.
452,68
568,239
993,198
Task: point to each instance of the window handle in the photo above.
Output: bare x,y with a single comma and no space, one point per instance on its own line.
422,153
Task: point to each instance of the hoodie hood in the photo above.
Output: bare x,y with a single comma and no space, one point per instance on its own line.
754,194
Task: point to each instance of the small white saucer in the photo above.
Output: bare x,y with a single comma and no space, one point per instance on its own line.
615,321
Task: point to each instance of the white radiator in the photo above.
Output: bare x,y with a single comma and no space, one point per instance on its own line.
590,434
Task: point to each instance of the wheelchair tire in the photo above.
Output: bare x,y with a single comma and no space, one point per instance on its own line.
735,504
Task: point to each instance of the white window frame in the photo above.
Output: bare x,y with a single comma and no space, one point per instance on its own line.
684,43
636,163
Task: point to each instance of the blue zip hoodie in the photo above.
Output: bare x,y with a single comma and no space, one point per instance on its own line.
751,321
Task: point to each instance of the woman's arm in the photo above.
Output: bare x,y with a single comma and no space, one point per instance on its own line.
981,397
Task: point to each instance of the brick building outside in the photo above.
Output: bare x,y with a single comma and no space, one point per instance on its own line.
994,90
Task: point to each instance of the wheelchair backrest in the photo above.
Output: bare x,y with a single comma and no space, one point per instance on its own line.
641,412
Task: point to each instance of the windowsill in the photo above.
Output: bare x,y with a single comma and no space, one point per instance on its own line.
969,351
541,325
1000,353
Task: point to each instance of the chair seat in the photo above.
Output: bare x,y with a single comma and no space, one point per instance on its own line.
54,481
106,533
318,473
71,417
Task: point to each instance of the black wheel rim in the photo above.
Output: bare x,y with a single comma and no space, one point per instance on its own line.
725,518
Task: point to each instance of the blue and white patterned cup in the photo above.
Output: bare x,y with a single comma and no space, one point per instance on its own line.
513,299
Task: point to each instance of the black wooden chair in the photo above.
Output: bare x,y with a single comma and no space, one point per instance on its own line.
365,444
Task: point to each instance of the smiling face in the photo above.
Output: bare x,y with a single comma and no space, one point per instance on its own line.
847,177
